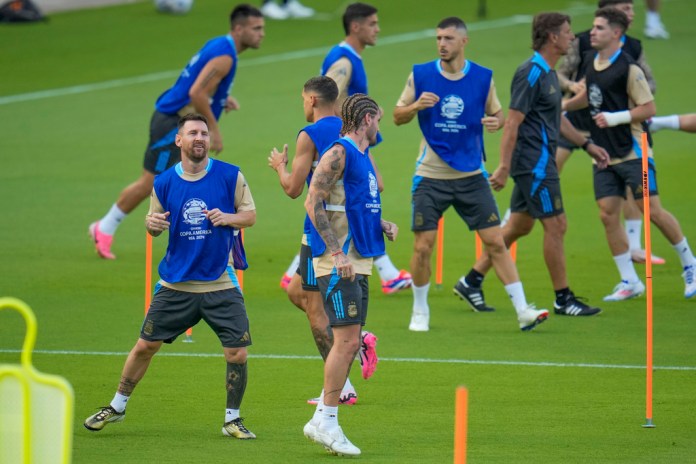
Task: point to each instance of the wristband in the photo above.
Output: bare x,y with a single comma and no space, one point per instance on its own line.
335,253
587,143
617,118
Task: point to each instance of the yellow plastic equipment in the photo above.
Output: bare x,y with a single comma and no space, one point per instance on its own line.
36,410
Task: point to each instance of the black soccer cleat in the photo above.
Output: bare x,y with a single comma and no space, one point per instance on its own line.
575,307
473,296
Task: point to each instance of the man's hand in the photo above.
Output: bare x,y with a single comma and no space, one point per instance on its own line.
277,159
491,123
156,223
499,178
344,268
231,104
217,217
599,154
390,229
427,100
215,141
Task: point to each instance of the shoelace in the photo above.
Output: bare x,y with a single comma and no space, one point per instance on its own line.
240,425
689,275
105,412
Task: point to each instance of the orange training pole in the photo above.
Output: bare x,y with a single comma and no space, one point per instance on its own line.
648,285
148,271
479,246
439,258
460,425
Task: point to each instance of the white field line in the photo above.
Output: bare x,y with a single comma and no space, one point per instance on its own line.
397,360
270,59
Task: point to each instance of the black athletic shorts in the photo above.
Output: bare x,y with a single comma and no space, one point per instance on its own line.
172,312
345,302
613,180
306,270
471,197
162,152
538,198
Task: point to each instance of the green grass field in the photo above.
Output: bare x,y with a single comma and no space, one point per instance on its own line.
572,391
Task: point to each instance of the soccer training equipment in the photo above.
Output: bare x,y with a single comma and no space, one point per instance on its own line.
174,6
626,291
575,307
638,257
102,241
689,275
473,296
368,354
235,428
400,282
531,317
106,415
335,442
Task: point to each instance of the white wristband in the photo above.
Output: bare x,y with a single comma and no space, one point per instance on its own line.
617,118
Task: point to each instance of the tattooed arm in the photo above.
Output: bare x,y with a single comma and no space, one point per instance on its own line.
203,88
327,173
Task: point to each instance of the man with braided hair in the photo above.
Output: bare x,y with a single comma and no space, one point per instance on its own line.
344,206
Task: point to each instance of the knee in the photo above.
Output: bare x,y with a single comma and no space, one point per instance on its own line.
608,217
236,355
556,226
146,349
423,249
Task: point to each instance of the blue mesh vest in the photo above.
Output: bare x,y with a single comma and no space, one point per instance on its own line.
196,249
363,205
358,78
177,97
453,126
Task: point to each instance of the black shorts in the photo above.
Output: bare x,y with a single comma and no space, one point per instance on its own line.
471,197
172,312
613,180
306,269
162,153
539,199
345,302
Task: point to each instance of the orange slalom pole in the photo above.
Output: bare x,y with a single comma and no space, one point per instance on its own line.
479,246
460,425
648,286
513,252
439,258
148,271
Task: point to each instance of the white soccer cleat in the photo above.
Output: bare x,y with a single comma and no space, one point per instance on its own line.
531,317
335,442
419,321
656,31
626,291
689,275
274,11
310,429
297,10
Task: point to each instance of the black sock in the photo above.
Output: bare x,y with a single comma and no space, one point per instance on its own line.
474,278
563,295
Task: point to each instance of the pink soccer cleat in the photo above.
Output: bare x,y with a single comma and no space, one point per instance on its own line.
285,281
102,241
400,282
368,354
639,257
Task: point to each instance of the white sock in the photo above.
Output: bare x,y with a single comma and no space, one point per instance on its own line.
626,268
652,18
231,414
292,269
664,122
386,269
109,223
516,293
319,411
420,299
329,418
633,233
685,255
119,402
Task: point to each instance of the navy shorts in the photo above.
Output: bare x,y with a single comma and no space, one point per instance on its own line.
538,198
471,197
162,153
172,312
613,180
345,302
306,270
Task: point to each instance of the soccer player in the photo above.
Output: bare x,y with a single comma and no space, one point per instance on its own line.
454,99
529,140
203,87
202,203
572,79
345,66
344,206
620,101
319,99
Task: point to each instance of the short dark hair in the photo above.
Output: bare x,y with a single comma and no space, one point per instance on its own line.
545,24
354,110
452,21
191,117
242,12
357,12
615,18
606,3
324,86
